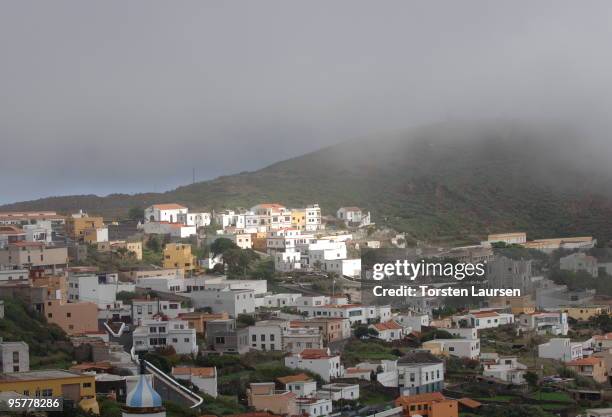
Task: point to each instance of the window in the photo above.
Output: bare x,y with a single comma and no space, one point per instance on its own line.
254,338
175,340
86,384
47,392
186,340
68,314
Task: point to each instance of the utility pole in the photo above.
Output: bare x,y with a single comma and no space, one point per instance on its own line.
193,172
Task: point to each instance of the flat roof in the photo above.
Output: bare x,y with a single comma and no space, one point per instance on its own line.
38,375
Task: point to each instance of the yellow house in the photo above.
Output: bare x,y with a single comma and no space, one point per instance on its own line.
518,305
76,226
259,241
586,312
433,347
54,383
178,255
298,219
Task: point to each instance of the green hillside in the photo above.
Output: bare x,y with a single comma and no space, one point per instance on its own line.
49,345
447,181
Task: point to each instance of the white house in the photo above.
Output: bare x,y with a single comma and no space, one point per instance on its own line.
101,289
287,261
314,407
561,349
507,369
258,286
388,330
312,218
554,323
278,300
464,333
339,391
42,231
318,361
353,216
242,240
356,313
164,213
348,267
203,378
195,219
166,228
165,283
301,385
387,372
146,309
157,333
580,261
414,322
420,372
485,319
267,334
234,302
463,348
14,357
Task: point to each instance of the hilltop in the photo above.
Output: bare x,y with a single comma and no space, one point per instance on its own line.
446,181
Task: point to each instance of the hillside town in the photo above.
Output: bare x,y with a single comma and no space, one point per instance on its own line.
259,313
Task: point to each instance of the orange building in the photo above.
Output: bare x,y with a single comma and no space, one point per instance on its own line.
428,405
331,328
259,241
198,320
264,396
56,285
73,318
590,367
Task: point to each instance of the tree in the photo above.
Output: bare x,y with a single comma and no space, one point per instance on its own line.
363,330
153,244
136,213
221,246
246,320
239,260
532,379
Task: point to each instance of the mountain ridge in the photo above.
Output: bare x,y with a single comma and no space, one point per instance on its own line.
448,181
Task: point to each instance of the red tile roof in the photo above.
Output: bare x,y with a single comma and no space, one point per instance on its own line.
357,370
585,361
468,402
201,372
169,206
294,378
388,325
420,398
485,314
315,354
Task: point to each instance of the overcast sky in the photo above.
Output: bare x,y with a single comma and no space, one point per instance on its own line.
129,96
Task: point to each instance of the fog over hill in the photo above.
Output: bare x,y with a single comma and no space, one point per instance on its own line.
454,180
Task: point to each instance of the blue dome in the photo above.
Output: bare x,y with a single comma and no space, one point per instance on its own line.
143,396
